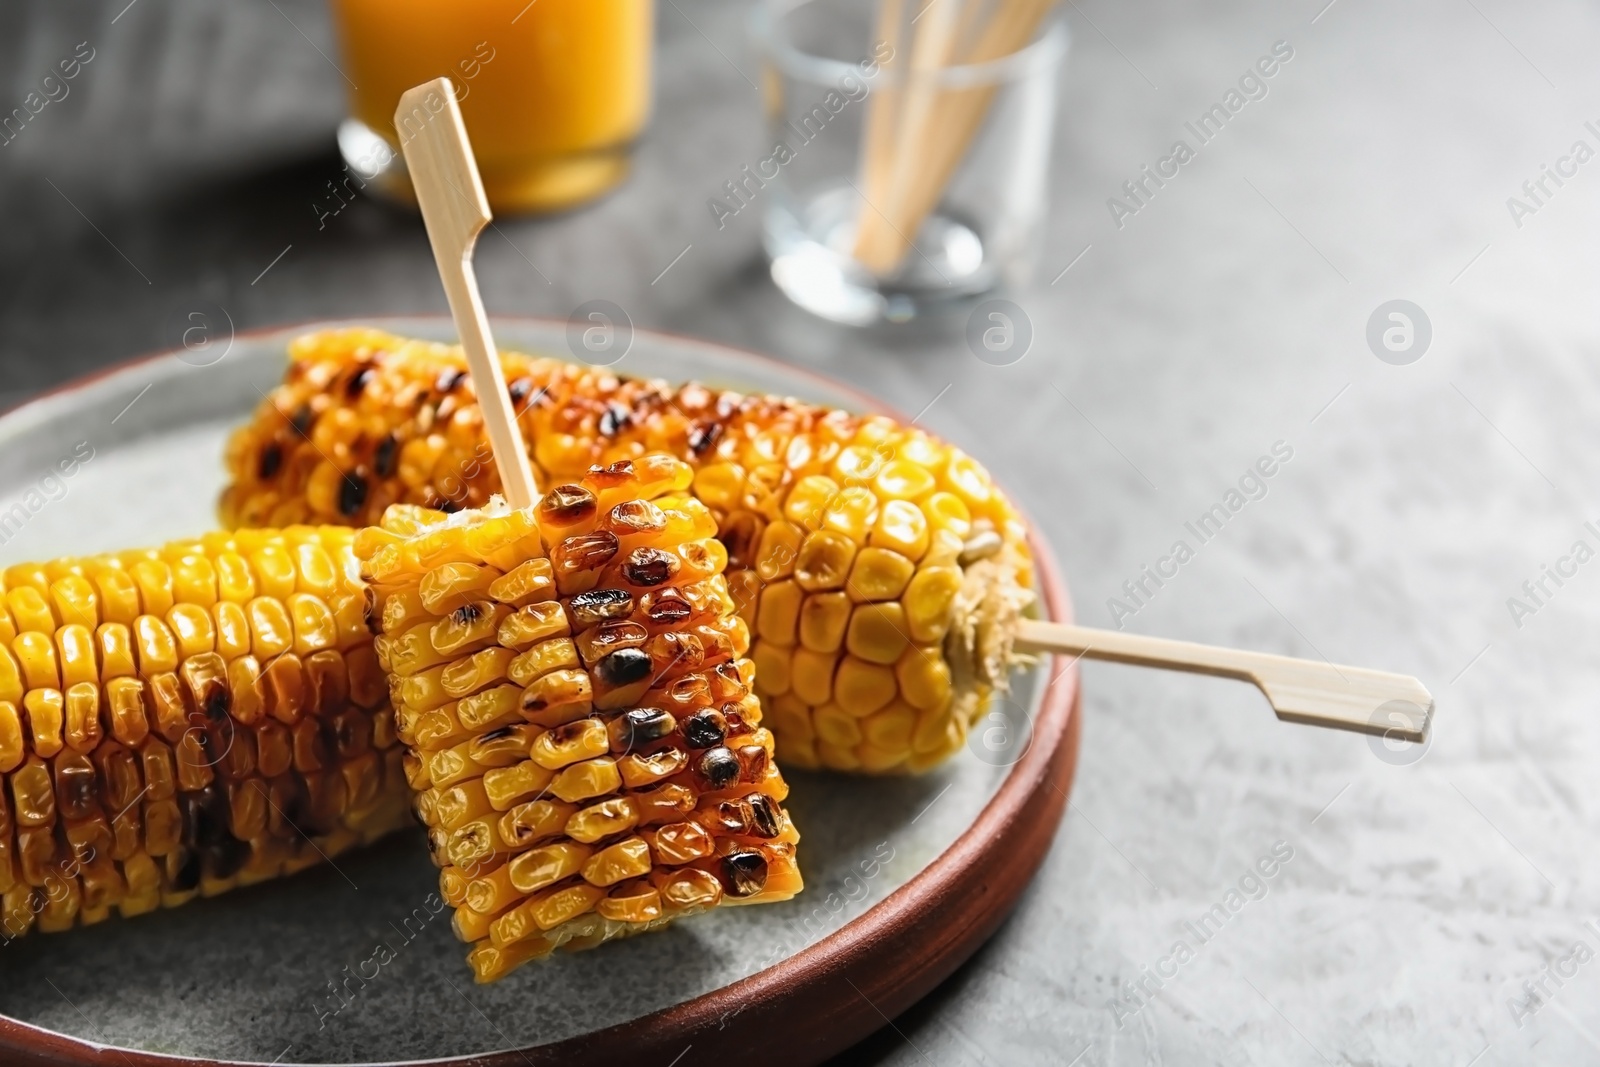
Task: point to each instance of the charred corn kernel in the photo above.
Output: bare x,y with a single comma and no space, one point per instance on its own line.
796,492
627,681
223,794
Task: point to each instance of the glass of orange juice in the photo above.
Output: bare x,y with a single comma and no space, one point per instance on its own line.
554,92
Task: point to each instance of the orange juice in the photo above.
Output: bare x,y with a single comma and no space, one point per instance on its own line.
553,92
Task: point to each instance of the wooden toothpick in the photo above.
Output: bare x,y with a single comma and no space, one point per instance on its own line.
1305,691
455,210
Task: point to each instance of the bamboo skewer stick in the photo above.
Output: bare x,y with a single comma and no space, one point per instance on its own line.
881,243
455,210
927,157
877,154
1304,691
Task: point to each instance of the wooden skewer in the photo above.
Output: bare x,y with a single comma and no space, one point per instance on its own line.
1303,691
455,210
880,242
927,157
877,137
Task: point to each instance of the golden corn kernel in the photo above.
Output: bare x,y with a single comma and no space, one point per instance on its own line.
772,666
628,858
631,903
640,772
811,675
533,623
507,786
529,583
861,688
924,677
580,740
536,820
552,654
928,602
778,616
852,513
682,842
691,888
603,819
477,671
809,500
879,574
545,866
592,778
824,561
877,632
835,726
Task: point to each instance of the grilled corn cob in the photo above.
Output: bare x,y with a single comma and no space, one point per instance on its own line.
180,721
588,755
879,569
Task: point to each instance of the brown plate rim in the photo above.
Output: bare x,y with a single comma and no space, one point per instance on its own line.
827,996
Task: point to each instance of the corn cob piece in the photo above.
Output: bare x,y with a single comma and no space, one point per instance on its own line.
879,569
588,754
180,721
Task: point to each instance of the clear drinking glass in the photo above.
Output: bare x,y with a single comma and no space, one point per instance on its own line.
843,175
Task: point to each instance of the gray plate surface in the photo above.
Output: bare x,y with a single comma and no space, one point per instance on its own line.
250,975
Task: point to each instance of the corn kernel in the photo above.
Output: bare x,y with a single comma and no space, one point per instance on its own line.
835,726
545,866
928,602
628,858
861,688
824,560
811,675
809,500
581,740
592,778
877,632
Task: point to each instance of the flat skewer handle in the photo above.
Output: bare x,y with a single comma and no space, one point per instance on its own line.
1396,706
455,210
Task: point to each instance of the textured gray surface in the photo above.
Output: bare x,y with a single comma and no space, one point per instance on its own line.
1228,314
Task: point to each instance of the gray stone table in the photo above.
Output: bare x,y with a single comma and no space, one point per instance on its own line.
1225,318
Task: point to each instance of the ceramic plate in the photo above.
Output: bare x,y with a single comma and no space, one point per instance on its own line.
905,877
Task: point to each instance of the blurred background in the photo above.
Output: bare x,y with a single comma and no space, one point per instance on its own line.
1398,153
